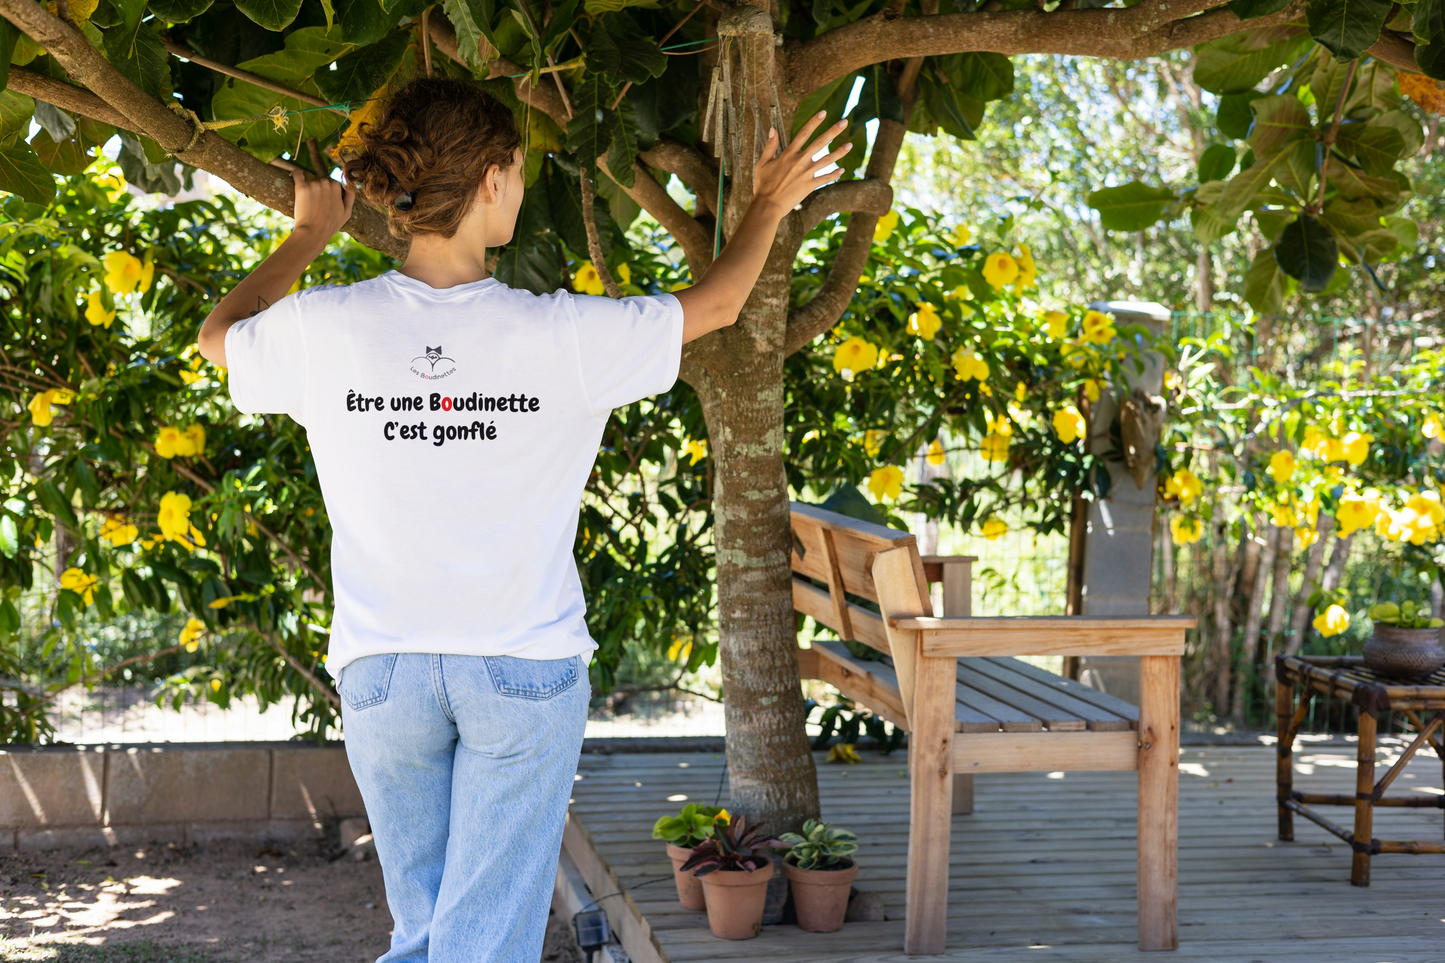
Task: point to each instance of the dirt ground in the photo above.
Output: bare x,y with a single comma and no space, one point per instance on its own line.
218,902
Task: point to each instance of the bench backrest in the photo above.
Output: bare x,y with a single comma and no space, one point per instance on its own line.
838,552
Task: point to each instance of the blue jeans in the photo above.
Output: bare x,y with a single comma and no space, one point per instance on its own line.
466,766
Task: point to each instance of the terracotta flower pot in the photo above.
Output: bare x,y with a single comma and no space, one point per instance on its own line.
735,902
689,887
1404,653
821,895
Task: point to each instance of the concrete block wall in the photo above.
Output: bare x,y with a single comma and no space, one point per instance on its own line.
112,795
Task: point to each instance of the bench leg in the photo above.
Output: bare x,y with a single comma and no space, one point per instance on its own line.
1158,802
930,821
1284,754
1364,801
962,793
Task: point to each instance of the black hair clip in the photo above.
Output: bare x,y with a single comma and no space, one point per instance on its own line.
405,201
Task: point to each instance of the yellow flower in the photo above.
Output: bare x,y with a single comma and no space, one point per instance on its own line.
1056,324
147,273
1433,428
123,271
855,355
936,454
680,286
624,274
1355,448
95,311
681,649
110,181
1098,328
1332,621
886,482
873,441
967,364
723,816
1185,486
1282,514
1173,380
41,414
924,322
697,450
81,583
174,516
170,442
1069,424
1027,271
1305,537
118,532
995,446
587,280
1000,269
215,685
191,634
1358,510
961,236
1185,530
844,752
196,436
1281,467
885,226
1021,391
1091,389
993,529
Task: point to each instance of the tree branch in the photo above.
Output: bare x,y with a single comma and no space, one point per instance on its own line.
250,78
327,692
67,97
1396,50
545,99
594,242
691,236
868,196
269,185
1144,30
689,164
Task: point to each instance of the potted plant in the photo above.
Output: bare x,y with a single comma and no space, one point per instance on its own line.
820,870
734,867
683,832
1406,641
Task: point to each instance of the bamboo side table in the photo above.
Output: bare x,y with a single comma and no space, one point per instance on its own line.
1347,678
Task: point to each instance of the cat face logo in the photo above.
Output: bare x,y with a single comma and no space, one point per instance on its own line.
433,357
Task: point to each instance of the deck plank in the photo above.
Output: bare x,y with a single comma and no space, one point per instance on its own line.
1045,867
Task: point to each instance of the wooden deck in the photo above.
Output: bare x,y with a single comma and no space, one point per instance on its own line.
1045,867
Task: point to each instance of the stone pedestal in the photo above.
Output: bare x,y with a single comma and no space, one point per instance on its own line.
1118,553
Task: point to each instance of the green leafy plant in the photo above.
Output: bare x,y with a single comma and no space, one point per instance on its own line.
847,721
820,846
691,826
733,847
1404,615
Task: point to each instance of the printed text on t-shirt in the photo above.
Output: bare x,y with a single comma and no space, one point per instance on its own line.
438,435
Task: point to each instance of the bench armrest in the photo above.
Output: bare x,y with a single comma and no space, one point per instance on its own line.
1050,635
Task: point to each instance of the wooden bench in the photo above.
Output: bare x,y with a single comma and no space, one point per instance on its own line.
969,706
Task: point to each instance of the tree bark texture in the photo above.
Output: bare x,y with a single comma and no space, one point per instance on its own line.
1254,620
1278,605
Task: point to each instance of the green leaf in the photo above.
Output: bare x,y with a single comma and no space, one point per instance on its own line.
623,153
1346,28
271,14
1239,190
1250,9
1235,64
179,11
588,132
621,60
1264,283
564,195
1351,182
1130,207
877,99
1235,115
65,158
54,501
1298,170
1351,218
306,50
1406,231
1307,252
943,106
9,537
365,70
9,618
1430,24
1216,163
1375,149
1278,120
596,8
1410,131
475,21
362,22
15,113
830,98
9,33
22,173
140,56
1208,224
984,76
533,260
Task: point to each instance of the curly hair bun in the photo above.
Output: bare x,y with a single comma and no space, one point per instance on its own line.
426,154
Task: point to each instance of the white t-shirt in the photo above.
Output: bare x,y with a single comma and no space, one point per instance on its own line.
453,432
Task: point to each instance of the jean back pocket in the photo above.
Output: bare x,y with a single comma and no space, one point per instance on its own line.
366,681
532,678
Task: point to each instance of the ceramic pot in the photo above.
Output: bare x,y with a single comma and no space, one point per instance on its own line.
820,896
735,902
1404,653
689,887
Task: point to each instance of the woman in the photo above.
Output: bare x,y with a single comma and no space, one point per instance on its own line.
454,422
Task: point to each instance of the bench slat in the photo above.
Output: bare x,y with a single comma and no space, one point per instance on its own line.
875,684
1002,671
816,603
1054,718
1112,704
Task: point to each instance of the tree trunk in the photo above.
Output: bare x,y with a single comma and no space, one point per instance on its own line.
1204,281
1223,625
1263,571
1278,605
1300,618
